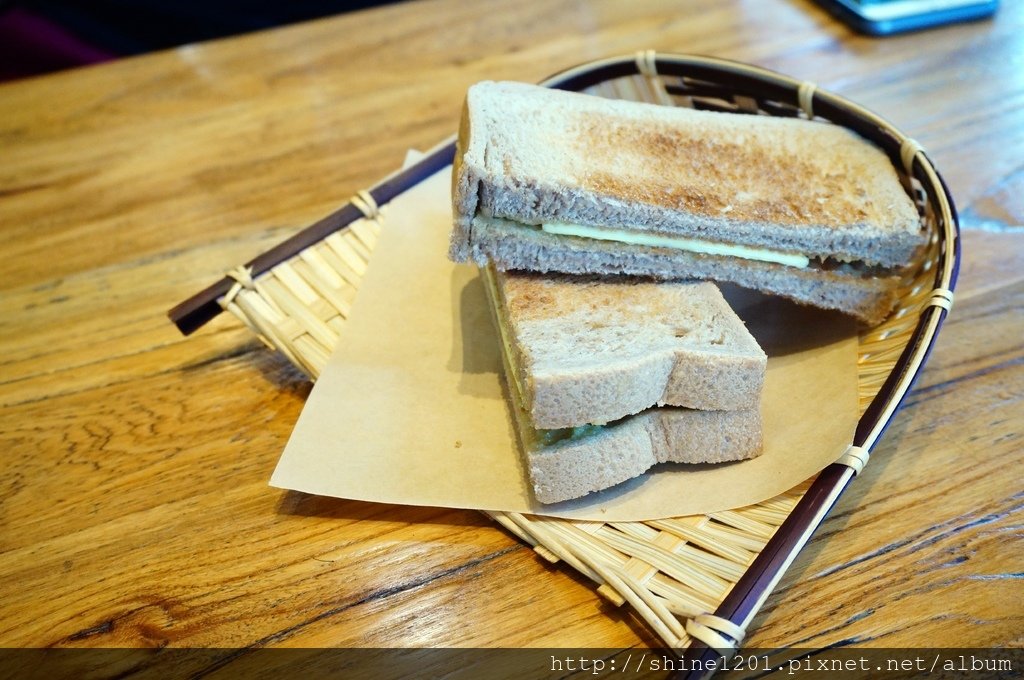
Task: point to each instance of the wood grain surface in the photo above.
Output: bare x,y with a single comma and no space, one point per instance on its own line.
134,506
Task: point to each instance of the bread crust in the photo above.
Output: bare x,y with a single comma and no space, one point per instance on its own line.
465,192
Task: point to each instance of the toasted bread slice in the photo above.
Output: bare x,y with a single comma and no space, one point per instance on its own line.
595,350
868,295
603,457
581,352
530,156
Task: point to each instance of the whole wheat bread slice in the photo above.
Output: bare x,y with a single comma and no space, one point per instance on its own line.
576,467
869,296
534,155
595,350
588,350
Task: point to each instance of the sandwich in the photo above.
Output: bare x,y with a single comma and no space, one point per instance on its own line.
554,181
608,377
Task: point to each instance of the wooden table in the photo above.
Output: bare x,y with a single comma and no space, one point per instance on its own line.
135,509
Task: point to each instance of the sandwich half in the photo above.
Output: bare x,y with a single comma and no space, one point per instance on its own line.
610,376
554,181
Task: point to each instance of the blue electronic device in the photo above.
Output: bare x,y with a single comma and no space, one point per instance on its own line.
886,17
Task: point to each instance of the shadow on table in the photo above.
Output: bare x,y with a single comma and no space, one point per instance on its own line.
309,505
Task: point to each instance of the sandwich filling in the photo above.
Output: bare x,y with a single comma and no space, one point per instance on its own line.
688,244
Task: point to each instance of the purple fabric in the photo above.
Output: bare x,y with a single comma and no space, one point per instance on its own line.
31,45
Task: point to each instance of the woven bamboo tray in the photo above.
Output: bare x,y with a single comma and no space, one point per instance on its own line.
697,581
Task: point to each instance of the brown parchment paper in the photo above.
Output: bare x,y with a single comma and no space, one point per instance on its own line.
411,407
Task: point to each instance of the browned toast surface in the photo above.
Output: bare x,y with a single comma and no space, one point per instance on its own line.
536,155
592,350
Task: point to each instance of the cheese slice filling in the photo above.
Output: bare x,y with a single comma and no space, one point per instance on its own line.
688,244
